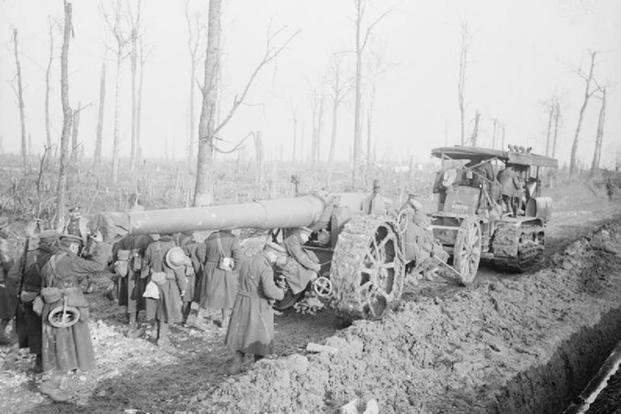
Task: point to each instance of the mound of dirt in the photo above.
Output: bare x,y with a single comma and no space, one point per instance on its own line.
514,345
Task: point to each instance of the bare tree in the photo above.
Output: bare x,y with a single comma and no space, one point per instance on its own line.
61,190
375,70
134,35
475,129
461,83
339,90
295,134
557,115
588,92
121,39
317,110
20,102
48,135
494,130
207,128
550,109
599,136
195,34
259,153
143,59
100,114
502,142
362,38
75,146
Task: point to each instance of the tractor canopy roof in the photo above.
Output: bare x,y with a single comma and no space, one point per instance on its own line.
477,155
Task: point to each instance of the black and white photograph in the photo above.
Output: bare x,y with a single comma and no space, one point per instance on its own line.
310,206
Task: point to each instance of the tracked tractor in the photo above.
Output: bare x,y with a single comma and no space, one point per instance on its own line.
477,218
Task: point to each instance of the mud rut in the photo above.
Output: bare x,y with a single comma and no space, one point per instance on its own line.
135,374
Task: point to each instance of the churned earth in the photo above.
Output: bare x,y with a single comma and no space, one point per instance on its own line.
508,343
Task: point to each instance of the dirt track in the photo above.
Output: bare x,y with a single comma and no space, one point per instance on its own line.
135,374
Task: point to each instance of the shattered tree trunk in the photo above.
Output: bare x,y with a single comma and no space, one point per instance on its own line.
475,129
100,115
116,31
48,135
494,130
549,130
295,137
502,144
599,137
203,193
134,68
139,105
463,60
20,102
357,151
258,150
61,190
117,106
74,135
557,114
335,118
587,95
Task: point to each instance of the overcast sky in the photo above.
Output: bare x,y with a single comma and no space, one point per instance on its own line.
522,53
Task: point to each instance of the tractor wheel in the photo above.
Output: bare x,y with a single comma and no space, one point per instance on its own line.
367,268
467,250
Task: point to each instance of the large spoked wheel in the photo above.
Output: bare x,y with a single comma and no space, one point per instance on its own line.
467,250
367,268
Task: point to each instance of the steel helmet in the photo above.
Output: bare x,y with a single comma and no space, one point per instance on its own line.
175,257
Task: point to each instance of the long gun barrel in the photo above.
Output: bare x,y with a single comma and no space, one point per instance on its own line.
269,214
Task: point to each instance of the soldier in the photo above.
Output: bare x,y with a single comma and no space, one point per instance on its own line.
25,276
8,301
511,189
163,265
196,254
309,263
66,348
218,285
251,329
610,187
130,281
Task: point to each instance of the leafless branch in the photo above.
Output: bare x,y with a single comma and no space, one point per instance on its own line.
270,54
239,145
370,28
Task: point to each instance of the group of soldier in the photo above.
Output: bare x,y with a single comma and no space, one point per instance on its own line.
165,274
44,291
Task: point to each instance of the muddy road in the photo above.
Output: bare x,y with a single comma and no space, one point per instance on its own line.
135,374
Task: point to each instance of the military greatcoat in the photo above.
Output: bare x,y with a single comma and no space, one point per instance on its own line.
251,328
68,348
217,287
168,308
131,287
25,276
8,299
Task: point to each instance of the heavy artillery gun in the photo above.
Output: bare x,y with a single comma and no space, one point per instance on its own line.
364,250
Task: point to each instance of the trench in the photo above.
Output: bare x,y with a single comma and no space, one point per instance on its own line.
552,387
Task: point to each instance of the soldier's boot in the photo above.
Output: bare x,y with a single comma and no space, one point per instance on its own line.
4,338
134,330
53,388
38,366
186,309
236,363
162,335
226,318
110,294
